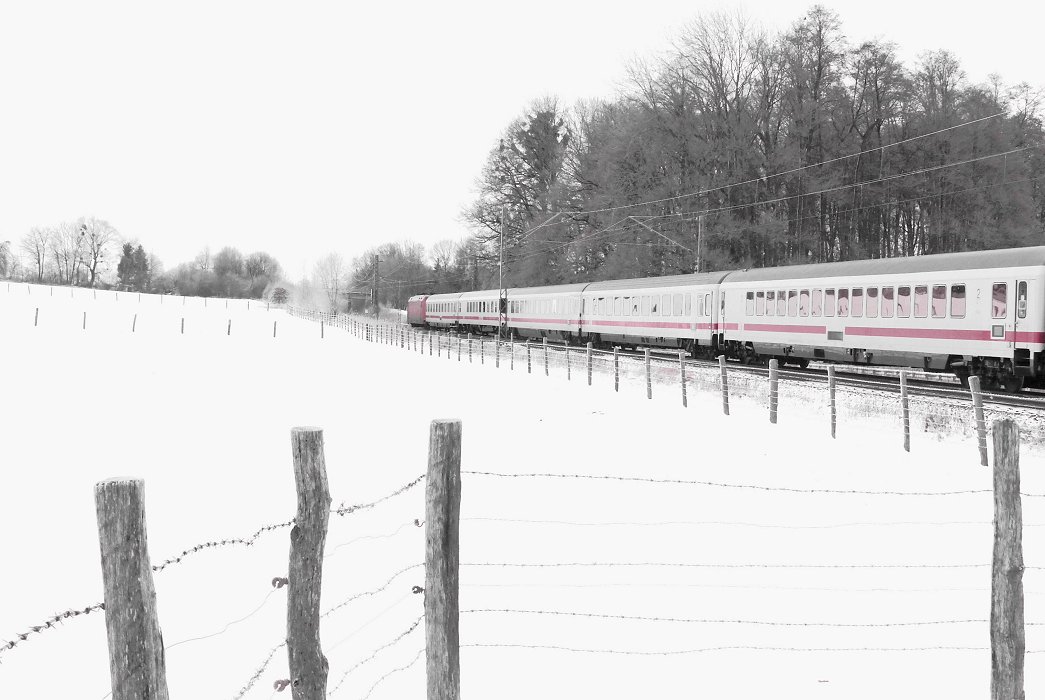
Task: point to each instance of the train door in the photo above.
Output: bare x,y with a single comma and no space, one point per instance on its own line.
1020,319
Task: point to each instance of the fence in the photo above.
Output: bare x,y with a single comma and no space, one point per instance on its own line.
137,662
922,407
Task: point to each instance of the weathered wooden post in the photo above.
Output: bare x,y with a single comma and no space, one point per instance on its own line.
567,346
458,347
905,406
649,379
511,347
529,364
682,376
183,326
1008,644
497,351
36,317
544,343
616,368
725,384
229,330
469,348
442,560
981,426
831,392
774,369
587,352
84,321
134,323
137,667
308,665
482,351
274,328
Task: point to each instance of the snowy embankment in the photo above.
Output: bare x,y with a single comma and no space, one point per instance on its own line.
817,594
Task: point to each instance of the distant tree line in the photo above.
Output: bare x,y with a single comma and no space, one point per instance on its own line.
90,252
743,148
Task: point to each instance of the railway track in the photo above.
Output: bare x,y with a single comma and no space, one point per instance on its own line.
882,379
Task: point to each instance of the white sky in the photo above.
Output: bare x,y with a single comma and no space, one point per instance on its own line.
306,127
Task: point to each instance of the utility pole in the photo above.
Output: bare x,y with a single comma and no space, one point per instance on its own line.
377,262
502,294
700,234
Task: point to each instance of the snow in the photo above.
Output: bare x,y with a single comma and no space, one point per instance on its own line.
205,417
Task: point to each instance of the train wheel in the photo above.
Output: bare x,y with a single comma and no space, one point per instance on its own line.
1010,383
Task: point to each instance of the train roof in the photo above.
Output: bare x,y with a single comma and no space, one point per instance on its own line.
656,282
575,288
973,260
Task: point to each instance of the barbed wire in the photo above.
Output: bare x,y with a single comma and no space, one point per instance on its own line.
345,510
719,621
661,584
366,594
415,522
394,671
375,618
732,647
245,541
731,523
717,484
399,637
704,565
261,669
228,625
49,623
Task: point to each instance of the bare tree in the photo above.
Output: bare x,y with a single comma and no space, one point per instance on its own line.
203,260
67,250
6,259
97,238
36,245
330,276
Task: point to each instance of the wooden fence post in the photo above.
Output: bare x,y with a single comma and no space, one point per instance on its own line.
458,347
442,560
682,376
274,328
229,330
308,665
36,317
544,342
774,369
84,321
469,348
529,364
587,352
649,380
1008,644
905,406
497,352
137,666
511,347
725,384
134,323
831,392
616,368
322,330
183,326
566,344
482,350
981,426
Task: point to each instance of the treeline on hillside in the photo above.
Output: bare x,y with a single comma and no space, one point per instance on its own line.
90,252
767,149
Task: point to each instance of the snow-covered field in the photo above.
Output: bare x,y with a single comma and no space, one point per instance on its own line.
205,417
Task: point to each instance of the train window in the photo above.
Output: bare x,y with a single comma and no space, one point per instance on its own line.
939,303
843,302
760,304
749,309
645,306
654,305
872,302
817,305
626,306
707,304
634,306
921,301
700,305
618,306
803,302
829,302
770,303
689,304
792,303
957,301
888,302
676,304
781,303
1021,300
665,305
857,306
999,301
903,302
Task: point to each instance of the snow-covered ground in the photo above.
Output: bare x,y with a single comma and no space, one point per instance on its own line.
205,417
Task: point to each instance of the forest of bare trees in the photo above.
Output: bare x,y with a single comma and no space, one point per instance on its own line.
744,148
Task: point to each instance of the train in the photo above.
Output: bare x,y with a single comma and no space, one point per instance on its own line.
979,313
